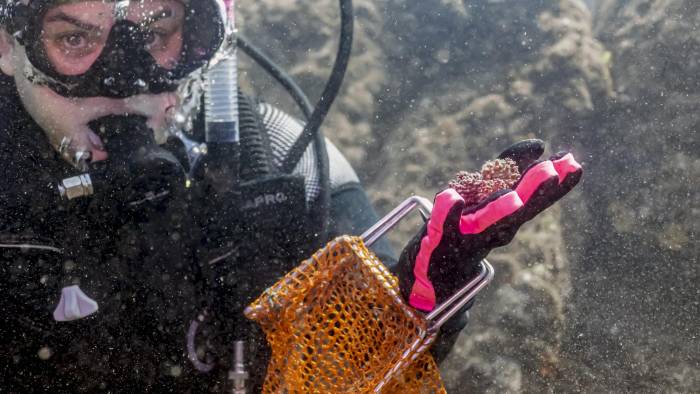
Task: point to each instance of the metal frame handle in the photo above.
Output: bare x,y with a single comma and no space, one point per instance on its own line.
443,312
389,221
461,298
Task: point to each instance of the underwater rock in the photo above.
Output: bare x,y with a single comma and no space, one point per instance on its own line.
589,293
439,85
634,294
303,38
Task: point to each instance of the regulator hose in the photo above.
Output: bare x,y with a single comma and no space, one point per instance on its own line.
315,116
311,130
254,162
277,73
331,90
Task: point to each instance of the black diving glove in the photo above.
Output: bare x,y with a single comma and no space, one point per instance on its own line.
446,253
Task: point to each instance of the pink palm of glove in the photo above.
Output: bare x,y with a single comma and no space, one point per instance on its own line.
446,253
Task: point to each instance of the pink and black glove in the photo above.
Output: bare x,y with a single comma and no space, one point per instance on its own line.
445,255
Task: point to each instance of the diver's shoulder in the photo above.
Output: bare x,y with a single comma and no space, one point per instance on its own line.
283,130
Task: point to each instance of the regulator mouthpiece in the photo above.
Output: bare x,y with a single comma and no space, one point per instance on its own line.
138,170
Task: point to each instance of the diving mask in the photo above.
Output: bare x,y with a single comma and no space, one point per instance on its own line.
117,49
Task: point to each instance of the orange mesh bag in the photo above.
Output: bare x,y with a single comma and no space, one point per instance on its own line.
337,324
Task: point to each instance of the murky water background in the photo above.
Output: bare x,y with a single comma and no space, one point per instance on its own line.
599,294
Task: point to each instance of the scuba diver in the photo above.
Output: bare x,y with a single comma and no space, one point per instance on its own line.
130,247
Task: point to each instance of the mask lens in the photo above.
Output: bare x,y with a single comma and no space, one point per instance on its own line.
74,35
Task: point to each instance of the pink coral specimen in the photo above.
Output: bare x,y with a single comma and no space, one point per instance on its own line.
494,176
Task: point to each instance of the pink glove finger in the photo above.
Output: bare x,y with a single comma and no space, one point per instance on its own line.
447,208
566,166
491,213
533,178
546,183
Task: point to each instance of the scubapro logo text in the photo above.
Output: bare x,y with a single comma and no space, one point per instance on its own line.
265,200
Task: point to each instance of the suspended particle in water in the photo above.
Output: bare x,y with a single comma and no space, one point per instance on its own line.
45,353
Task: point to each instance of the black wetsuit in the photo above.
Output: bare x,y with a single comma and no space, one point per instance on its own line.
147,272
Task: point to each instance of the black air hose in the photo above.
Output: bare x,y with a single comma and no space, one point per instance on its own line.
277,73
331,90
323,202
311,132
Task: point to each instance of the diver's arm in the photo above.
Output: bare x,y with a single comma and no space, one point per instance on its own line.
446,253
352,213
350,210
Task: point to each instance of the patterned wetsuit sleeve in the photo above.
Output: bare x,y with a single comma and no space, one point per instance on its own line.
351,213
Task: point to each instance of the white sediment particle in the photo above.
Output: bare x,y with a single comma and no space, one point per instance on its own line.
45,353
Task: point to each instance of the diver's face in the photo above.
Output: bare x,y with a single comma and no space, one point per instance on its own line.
73,35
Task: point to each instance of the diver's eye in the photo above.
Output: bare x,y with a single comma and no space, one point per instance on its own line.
74,41
153,39
150,38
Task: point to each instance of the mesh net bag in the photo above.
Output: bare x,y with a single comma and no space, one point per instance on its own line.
337,324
